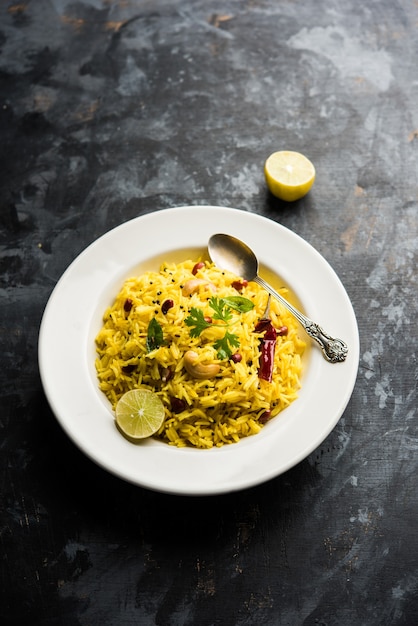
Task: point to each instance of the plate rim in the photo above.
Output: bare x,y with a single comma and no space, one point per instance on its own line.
207,488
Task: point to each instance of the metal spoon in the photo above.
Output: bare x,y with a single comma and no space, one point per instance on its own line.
229,253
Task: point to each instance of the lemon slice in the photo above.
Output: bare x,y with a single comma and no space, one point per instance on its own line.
289,175
139,413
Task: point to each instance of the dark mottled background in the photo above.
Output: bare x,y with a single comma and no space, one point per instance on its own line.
112,109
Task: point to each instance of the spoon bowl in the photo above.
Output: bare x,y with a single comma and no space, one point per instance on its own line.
233,255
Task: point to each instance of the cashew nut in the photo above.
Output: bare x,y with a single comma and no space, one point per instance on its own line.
193,285
197,369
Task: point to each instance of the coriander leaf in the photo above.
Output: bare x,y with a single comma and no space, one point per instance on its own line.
222,312
232,339
224,346
196,321
155,337
239,303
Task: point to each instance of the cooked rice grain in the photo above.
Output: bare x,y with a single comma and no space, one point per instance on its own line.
218,410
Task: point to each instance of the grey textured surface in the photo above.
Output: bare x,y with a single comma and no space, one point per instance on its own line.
110,110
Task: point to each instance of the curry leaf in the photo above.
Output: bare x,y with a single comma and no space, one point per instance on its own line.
155,337
239,303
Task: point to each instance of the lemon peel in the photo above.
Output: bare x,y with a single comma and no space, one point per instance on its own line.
289,175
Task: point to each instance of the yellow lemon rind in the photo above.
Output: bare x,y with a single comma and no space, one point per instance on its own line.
279,181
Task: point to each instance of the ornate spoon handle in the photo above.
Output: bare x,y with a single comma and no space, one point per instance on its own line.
334,350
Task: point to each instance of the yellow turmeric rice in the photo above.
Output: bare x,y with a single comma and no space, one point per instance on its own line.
211,388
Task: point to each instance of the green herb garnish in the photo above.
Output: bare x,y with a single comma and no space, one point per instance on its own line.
223,312
155,337
239,303
196,321
224,345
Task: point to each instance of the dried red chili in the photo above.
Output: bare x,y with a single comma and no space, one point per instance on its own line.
268,346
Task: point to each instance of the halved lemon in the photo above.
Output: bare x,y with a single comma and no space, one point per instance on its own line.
289,175
139,413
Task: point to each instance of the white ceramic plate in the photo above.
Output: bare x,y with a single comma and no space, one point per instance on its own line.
73,317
